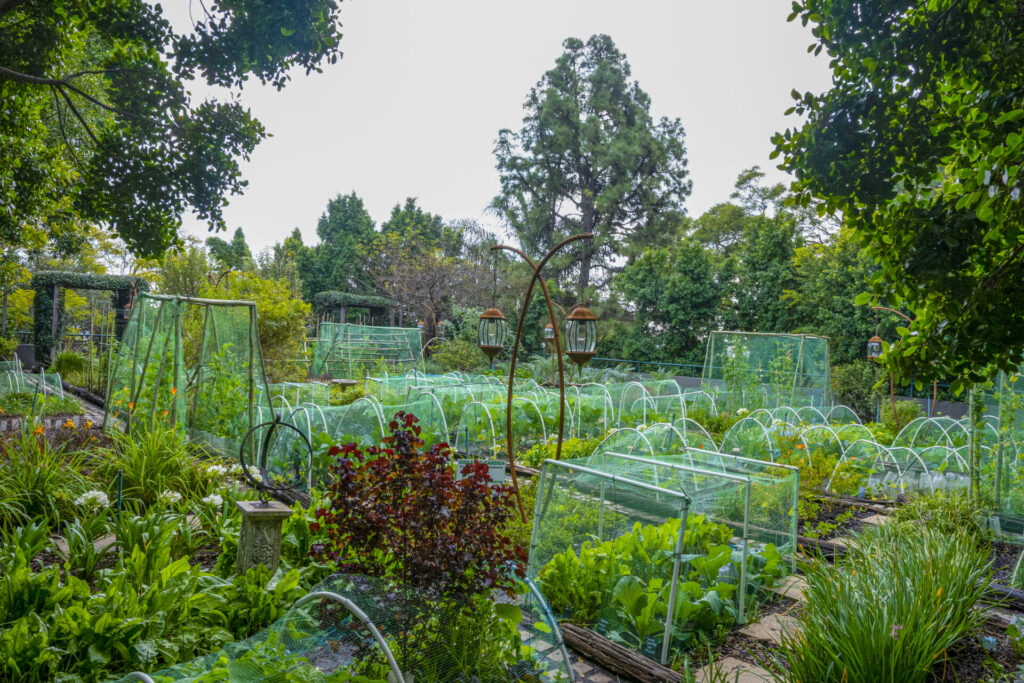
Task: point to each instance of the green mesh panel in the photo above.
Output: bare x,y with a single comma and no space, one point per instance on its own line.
753,370
601,545
218,393
147,377
346,350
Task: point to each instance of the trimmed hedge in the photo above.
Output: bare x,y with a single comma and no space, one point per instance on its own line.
43,282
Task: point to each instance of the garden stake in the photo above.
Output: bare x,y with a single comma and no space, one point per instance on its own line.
670,618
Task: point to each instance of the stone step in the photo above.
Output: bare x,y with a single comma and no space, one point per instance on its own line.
733,670
877,520
792,587
771,628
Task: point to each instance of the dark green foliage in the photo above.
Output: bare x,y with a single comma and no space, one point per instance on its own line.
918,146
589,158
677,296
854,386
336,263
830,276
409,220
764,273
98,116
233,255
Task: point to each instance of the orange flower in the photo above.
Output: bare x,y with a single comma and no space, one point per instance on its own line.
174,391
163,414
69,424
131,406
38,430
88,424
800,446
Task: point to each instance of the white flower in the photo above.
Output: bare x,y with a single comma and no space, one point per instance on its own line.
169,496
217,470
742,411
214,500
93,499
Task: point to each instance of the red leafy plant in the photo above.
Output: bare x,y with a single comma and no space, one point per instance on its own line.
398,511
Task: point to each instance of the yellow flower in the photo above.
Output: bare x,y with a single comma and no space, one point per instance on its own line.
939,592
69,424
88,424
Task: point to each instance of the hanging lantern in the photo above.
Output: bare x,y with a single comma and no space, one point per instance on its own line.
440,329
875,348
581,335
491,333
549,338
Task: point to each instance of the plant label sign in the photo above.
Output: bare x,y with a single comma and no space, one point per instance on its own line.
650,648
602,626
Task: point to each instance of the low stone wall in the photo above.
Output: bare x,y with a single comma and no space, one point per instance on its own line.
14,424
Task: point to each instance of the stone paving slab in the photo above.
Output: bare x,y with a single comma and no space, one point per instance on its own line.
792,587
771,628
735,671
103,542
877,520
589,672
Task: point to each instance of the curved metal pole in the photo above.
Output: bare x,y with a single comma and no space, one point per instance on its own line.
138,676
365,620
537,268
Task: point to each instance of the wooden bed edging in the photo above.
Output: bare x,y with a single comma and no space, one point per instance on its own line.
616,658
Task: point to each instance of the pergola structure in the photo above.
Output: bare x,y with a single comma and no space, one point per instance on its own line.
333,307
48,304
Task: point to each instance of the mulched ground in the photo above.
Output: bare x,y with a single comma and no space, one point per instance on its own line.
205,557
828,513
969,660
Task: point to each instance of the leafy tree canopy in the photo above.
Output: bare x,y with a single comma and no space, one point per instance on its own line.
98,124
233,255
677,296
918,145
589,158
336,263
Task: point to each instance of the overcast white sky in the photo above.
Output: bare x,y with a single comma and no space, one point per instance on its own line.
414,106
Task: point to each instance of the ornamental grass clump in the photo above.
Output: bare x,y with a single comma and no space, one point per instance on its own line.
902,597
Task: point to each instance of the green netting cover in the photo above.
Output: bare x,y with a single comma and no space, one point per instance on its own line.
358,628
753,370
344,349
999,442
192,362
619,546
